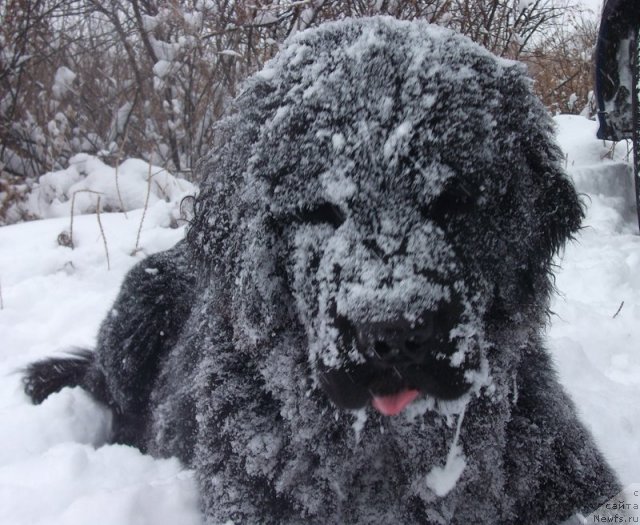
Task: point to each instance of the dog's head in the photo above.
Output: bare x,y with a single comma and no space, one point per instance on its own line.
399,193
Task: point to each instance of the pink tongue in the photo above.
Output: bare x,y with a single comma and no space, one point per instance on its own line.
392,405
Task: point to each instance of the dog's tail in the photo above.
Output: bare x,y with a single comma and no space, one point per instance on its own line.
48,376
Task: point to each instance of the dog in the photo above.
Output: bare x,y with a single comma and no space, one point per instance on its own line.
352,330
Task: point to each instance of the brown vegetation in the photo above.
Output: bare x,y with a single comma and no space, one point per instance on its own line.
148,78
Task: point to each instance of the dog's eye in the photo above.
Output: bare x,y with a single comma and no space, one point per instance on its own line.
322,213
454,201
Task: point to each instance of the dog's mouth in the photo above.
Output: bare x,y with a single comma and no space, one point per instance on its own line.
389,393
399,363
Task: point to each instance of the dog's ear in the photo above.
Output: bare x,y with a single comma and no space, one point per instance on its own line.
214,212
556,205
221,205
556,212
560,208
554,209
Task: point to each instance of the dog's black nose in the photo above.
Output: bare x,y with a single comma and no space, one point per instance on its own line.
395,341
404,342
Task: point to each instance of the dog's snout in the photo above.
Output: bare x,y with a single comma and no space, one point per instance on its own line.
402,355
400,341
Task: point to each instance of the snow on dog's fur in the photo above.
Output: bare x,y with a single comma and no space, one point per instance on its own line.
351,332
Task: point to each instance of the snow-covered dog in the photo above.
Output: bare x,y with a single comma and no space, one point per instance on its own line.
351,332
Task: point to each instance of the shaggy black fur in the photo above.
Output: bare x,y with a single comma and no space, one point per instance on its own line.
51,375
377,222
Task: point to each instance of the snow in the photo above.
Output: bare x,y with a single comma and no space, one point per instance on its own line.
123,188
164,50
162,68
230,53
595,345
55,467
442,479
62,81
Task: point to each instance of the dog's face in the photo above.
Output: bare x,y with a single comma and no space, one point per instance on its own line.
403,179
380,288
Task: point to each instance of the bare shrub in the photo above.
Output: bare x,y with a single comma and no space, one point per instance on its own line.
149,78
562,65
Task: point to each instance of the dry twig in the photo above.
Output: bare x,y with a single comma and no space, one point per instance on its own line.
104,238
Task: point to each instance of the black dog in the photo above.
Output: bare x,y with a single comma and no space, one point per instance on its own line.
351,332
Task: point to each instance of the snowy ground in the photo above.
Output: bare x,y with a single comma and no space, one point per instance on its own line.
54,468
595,329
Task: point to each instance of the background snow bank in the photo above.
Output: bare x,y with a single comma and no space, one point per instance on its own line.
53,469
123,188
